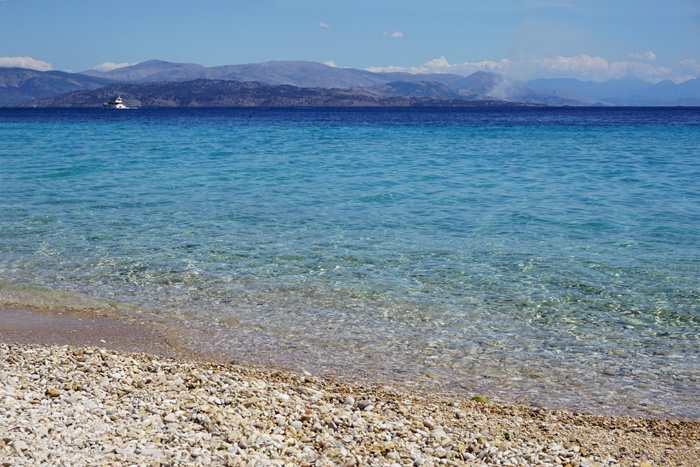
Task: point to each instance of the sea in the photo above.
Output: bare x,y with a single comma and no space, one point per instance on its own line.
548,257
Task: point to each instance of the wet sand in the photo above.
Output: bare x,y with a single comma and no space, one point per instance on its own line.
25,325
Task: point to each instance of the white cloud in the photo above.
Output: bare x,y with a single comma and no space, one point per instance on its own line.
441,65
390,69
325,26
651,56
25,62
109,66
689,69
682,79
579,66
691,66
395,34
331,63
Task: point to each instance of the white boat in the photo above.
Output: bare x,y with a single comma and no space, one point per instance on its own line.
115,103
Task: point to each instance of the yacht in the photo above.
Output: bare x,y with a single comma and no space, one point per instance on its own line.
115,103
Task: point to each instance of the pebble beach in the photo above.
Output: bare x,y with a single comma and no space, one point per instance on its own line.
64,401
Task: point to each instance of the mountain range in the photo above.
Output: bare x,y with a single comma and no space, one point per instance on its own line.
229,93
20,86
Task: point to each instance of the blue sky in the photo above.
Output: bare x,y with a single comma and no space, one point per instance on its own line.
592,39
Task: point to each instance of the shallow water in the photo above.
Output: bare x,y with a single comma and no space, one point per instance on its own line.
541,256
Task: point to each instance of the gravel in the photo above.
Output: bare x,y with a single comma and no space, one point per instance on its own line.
62,405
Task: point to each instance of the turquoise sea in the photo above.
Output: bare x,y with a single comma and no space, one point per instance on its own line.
543,256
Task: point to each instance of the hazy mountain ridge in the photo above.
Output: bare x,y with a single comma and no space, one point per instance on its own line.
295,73
489,85
19,85
431,89
227,93
623,91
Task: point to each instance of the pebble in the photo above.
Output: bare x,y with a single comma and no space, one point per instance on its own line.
298,426
80,407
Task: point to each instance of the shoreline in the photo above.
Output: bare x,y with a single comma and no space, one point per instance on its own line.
27,325
417,429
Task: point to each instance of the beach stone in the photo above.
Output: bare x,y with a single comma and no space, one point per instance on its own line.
160,423
553,447
20,445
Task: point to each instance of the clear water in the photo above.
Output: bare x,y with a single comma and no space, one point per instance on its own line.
541,256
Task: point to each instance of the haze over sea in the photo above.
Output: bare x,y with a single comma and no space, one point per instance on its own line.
545,256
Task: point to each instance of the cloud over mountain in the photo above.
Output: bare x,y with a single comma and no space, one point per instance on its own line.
580,66
25,62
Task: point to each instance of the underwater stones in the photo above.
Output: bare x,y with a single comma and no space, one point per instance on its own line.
481,400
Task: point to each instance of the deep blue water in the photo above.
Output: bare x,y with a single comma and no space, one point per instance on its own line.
547,256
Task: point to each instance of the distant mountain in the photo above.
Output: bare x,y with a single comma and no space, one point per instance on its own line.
447,79
227,93
294,73
623,91
486,85
304,74
669,90
430,89
19,85
614,88
152,70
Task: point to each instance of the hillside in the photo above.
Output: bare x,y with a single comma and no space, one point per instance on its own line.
294,73
224,93
416,89
19,85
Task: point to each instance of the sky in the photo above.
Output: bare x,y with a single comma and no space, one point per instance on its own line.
523,39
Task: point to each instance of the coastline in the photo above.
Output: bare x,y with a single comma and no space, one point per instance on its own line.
142,400
26,325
